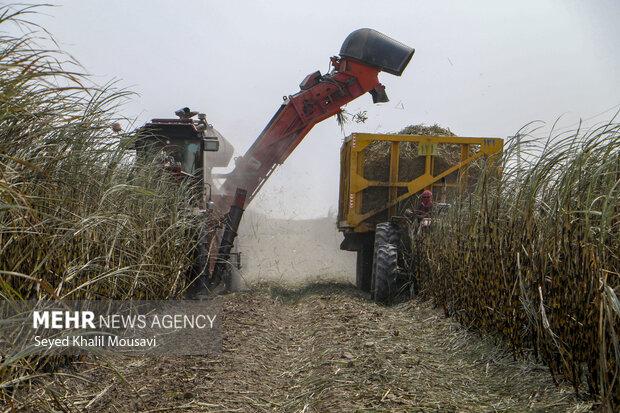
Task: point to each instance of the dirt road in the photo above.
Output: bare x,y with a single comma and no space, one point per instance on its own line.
324,348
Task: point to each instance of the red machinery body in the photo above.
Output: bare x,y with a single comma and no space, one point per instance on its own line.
322,98
363,55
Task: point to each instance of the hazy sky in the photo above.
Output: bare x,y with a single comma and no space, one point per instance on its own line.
482,68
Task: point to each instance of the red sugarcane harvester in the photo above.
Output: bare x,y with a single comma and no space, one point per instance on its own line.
197,147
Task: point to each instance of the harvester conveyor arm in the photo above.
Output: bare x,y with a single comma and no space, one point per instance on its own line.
363,55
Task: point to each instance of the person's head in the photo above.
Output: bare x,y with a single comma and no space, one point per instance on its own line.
427,197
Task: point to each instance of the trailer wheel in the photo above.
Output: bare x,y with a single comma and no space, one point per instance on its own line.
384,273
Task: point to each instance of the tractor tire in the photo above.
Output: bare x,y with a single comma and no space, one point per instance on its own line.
386,234
384,273
363,267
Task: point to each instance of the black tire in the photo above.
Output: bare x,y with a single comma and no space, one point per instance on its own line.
386,233
363,267
384,273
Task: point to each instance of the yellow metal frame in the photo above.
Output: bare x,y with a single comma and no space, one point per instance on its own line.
352,181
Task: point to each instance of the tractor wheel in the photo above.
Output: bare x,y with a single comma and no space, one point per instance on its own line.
363,267
384,273
386,233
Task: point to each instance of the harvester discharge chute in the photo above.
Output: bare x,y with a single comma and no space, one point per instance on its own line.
378,50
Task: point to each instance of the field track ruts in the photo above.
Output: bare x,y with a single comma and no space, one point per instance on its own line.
322,348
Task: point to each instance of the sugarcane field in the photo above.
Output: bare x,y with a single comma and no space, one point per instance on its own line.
272,206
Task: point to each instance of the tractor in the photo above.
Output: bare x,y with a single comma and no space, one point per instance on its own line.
375,211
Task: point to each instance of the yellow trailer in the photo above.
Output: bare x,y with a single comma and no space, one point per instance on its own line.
369,206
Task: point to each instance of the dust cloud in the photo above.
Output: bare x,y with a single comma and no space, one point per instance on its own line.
292,251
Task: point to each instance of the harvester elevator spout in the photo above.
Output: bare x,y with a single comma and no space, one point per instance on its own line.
364,54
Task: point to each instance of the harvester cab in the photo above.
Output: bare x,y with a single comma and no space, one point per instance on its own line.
187,147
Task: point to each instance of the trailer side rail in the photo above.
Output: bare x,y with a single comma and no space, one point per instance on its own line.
353,182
